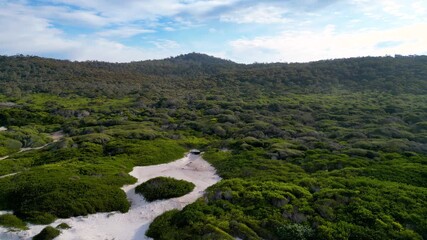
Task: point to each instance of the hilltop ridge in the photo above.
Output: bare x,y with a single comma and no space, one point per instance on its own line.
206,73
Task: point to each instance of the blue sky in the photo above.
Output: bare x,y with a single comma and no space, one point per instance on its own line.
244,31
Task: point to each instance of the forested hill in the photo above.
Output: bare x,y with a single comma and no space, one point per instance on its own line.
25,74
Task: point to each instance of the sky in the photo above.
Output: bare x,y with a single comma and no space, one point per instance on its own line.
244,31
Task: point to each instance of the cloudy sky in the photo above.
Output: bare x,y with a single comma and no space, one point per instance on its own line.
244,31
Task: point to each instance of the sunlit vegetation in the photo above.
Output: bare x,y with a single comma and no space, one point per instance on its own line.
164,188
48,233
325,150
63,226
12,222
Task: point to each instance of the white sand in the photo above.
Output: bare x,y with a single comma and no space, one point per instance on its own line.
133,224
9,175
56,136
31,148
5,212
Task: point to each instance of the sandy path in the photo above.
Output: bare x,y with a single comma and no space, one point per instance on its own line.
133,224
56,136
9,175
30,148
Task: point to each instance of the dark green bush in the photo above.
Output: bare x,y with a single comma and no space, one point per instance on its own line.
160,223
63,226
37,217
11,221
164,188
295,231
53,196
48,233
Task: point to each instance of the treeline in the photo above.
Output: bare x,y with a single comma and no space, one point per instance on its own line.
26,74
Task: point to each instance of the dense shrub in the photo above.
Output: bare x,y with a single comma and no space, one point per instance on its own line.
295,231
63,226
50,196
159,224
164,188
11,221
48,233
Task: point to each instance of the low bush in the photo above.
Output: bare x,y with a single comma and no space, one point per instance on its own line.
63,226
54,195
164,188
11,221
48,233
160,223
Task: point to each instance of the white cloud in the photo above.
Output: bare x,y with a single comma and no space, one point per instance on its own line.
129,10
201,8
27,34
256,14
398,9
111,13
315,45
110,51
119,11
30,35
60,14
124,32
43,29
165,44
100,49
70,17
420,8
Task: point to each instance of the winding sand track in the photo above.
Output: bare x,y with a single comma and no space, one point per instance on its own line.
56,136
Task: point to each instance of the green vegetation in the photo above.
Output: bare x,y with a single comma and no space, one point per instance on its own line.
164,188
63,226
325,150
48,233
11,221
